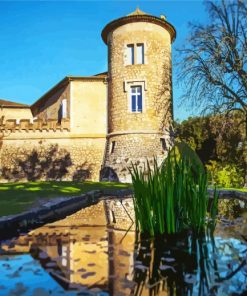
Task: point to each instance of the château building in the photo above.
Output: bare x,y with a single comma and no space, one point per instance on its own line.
94,127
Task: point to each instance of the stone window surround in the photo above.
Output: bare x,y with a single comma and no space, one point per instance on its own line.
127,88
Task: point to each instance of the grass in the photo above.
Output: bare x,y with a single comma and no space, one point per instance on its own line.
172,198
17,197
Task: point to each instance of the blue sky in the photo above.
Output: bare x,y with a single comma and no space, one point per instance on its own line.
43,41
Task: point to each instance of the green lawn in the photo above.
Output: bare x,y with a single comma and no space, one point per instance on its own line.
17,197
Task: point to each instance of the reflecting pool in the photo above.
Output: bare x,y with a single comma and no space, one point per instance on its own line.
97,252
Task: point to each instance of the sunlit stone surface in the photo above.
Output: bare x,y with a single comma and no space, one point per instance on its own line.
96,252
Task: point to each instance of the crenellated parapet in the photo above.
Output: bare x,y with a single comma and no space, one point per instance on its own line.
13,125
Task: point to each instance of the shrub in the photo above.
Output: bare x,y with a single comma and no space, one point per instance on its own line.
225,176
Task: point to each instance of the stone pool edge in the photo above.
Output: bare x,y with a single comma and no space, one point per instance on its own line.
53,210
61,207
229,194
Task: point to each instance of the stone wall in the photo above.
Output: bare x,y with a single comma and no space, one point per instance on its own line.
88,106
50,156
136,149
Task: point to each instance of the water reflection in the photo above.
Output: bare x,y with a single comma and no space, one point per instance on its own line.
96,252
190,266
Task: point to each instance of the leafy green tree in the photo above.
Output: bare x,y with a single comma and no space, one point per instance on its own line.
218,141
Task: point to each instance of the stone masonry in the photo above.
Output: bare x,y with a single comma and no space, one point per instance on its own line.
50,158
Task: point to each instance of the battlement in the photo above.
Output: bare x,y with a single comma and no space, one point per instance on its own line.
27,125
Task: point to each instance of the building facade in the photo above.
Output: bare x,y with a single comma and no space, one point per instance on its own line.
96,127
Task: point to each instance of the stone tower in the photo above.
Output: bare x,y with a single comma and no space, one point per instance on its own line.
139,92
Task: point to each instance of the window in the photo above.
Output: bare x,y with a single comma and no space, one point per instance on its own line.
62,112
113,143
136,98
135,94
140,53
134,54
130,54
163,144
65,255
64,108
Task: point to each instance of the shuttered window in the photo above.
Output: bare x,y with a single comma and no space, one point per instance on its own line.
140,53
130,54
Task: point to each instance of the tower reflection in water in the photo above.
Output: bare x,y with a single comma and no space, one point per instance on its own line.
96,249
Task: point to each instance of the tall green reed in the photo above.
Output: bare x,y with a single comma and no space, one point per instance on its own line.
172,197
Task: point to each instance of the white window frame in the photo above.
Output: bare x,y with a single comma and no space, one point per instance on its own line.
136,91
127,88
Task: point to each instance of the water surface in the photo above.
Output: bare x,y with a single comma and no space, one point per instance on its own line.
97,252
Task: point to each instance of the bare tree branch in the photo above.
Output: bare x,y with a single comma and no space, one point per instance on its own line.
213,64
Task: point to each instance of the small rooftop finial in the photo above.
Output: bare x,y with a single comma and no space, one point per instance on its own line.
137,12
163,17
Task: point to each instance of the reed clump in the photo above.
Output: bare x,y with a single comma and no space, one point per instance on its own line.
173,197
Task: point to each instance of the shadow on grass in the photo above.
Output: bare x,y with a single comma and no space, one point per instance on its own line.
17,197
